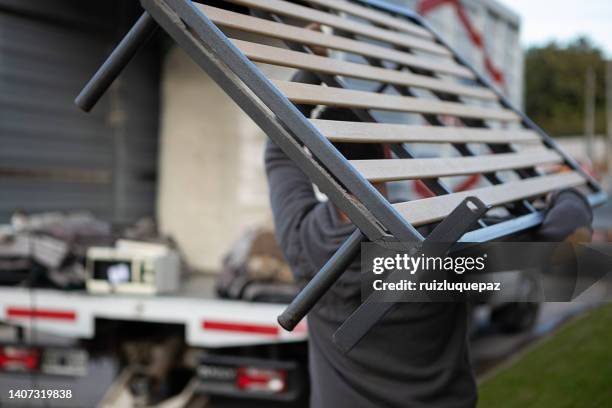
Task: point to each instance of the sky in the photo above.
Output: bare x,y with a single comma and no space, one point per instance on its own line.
562,20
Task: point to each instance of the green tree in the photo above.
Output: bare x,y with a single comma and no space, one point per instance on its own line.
555,86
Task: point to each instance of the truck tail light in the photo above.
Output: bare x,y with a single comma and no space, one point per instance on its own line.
19,358
261,380
250,378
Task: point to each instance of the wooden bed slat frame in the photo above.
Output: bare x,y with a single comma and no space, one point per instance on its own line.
400,51
280,31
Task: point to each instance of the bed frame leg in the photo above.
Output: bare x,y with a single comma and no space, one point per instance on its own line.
322,281
116,62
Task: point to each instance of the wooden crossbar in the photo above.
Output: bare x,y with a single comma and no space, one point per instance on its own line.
428,210
365,132
324,95
410,169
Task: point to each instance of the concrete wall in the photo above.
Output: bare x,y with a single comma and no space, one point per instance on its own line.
212,185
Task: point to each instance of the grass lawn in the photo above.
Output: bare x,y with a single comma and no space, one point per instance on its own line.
573,368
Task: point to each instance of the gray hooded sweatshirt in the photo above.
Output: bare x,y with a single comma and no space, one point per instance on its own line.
416,357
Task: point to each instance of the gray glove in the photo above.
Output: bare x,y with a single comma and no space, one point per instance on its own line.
569,217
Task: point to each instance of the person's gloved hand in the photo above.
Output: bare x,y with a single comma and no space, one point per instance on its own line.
568,218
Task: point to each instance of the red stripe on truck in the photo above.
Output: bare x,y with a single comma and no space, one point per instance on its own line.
52,314
268,330
426,6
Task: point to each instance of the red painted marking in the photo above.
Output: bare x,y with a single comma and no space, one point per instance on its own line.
425,6
20,312
421,189
268,330
468,183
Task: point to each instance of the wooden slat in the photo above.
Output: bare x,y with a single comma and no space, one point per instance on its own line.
323,95
362,132
292,59
352,26
272,29
373,16
411,169
428,210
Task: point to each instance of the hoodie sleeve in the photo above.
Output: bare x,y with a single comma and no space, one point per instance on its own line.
308,231
292,198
